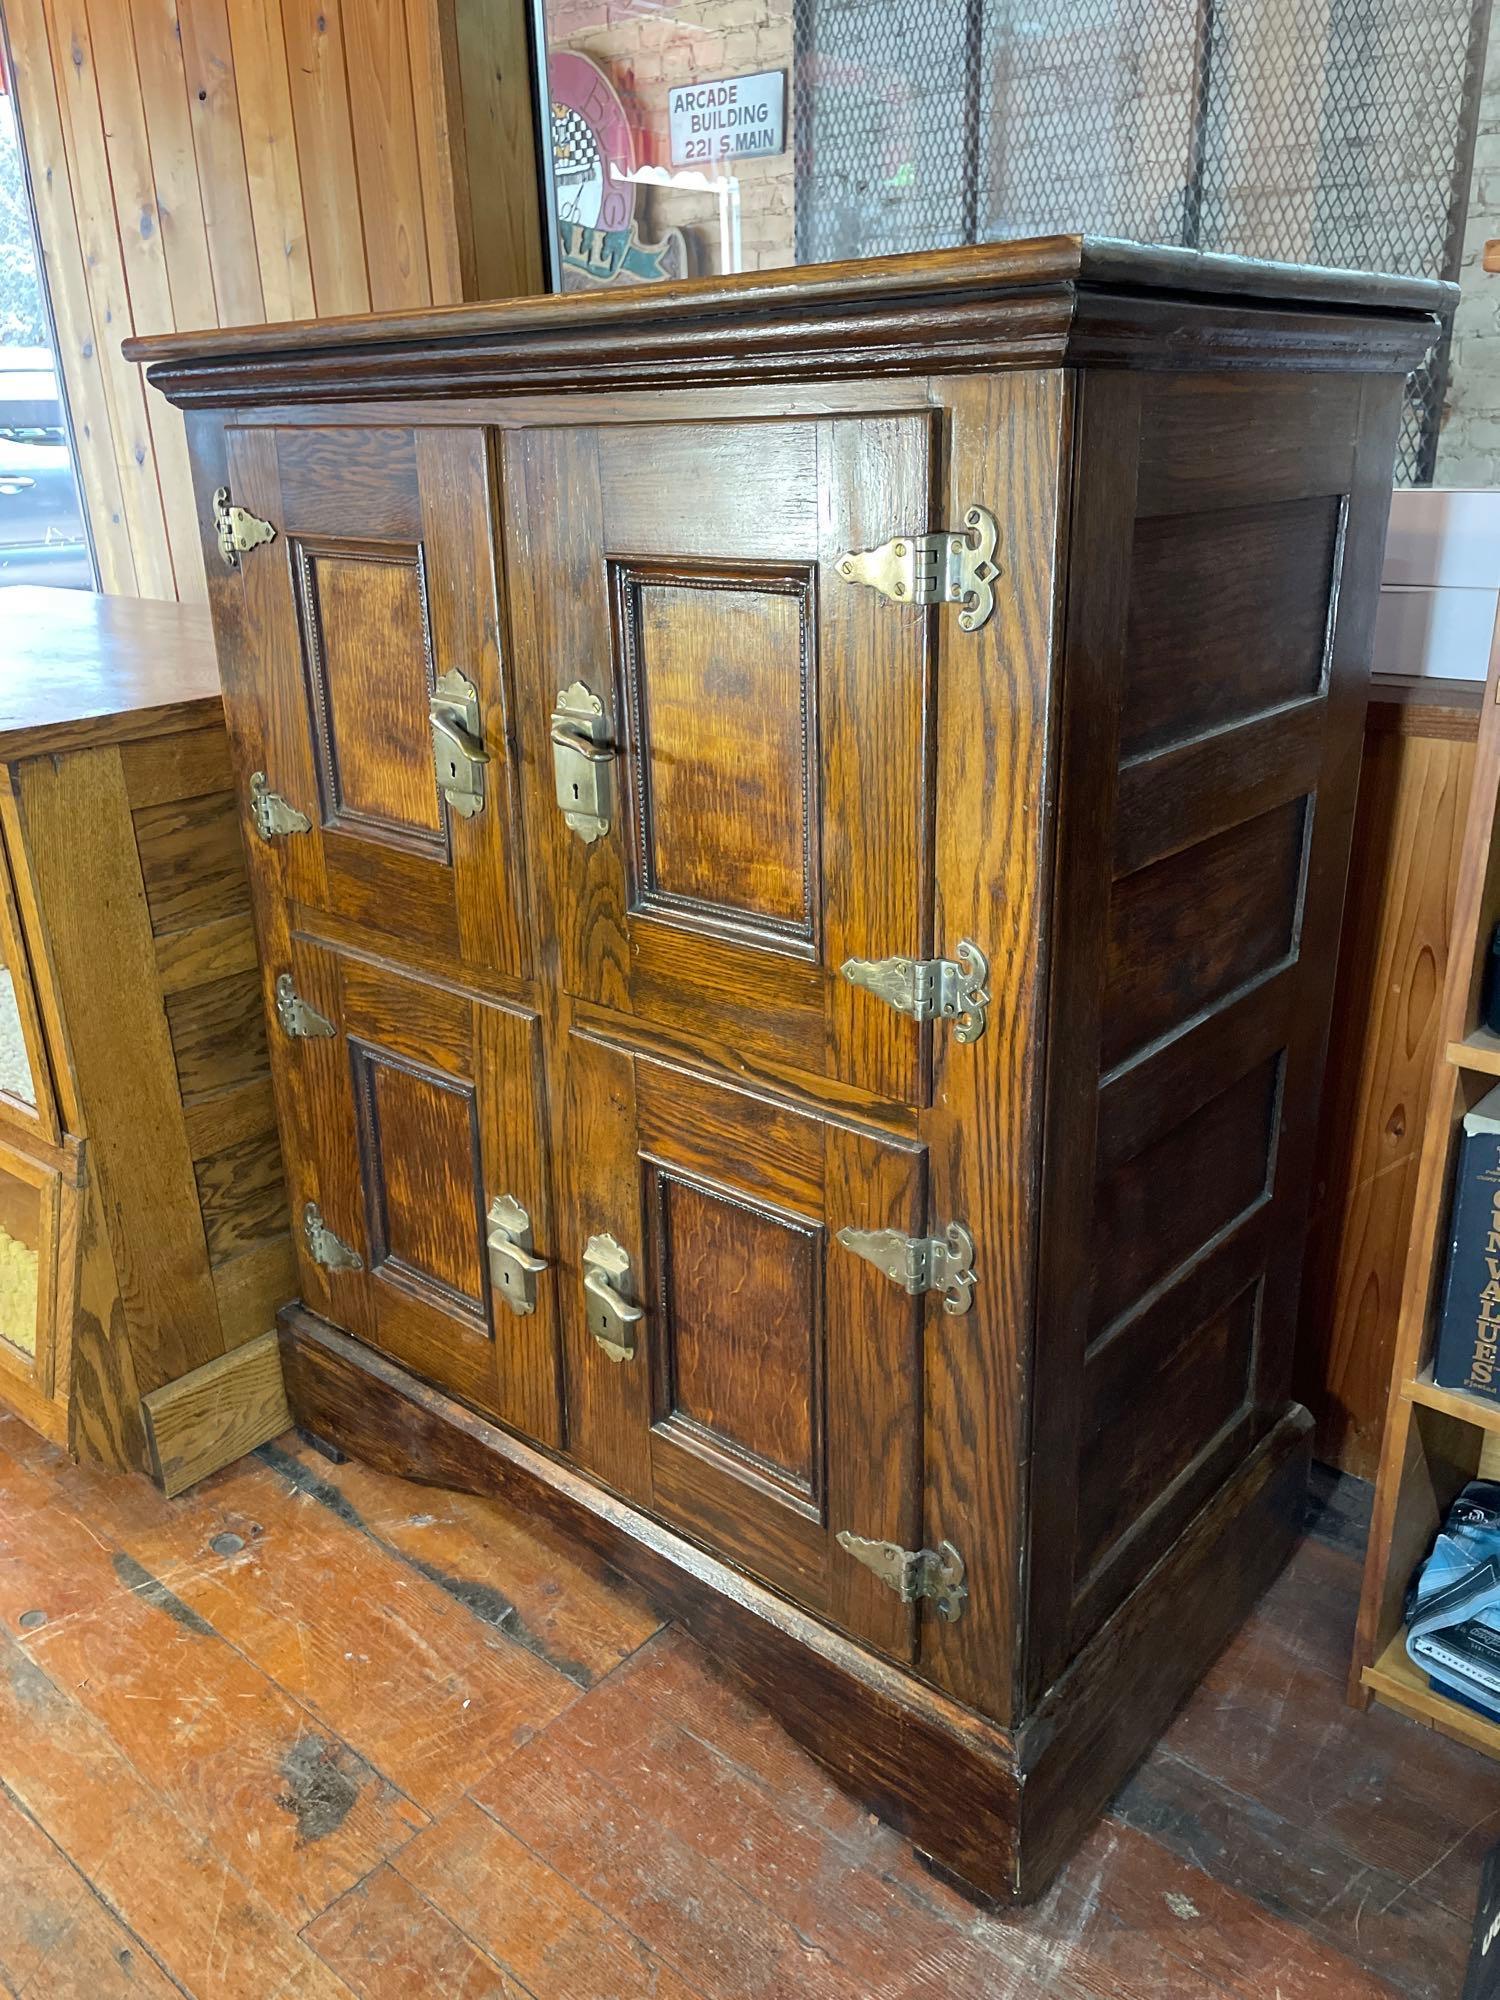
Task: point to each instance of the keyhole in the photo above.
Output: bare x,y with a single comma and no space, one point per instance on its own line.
576,792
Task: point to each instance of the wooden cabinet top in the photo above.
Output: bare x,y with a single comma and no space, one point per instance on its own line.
78,669
1036,302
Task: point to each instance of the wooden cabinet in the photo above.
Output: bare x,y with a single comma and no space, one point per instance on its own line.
143,1235
806,827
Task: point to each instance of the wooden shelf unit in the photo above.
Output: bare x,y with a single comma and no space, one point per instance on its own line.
1436,1439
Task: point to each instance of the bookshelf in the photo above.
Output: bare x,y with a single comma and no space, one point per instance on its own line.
1436,1440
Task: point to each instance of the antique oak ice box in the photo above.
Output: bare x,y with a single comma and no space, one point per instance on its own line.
798,826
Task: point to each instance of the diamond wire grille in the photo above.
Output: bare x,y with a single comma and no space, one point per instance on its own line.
1322,131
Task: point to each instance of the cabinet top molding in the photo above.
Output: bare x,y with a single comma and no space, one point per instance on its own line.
1033,303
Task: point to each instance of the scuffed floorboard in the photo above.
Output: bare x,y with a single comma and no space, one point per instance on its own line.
309,1731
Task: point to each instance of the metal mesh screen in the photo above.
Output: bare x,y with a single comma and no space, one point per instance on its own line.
1321,131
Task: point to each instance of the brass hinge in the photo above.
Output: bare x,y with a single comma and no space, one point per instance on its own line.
270,812
238,530
930,989
297,1016
921,1263
458,751
324,1247
935,569
912,1573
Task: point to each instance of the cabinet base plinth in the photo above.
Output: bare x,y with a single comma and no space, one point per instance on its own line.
1000,1808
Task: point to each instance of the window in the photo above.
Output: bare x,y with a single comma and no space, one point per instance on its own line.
42,535
699,136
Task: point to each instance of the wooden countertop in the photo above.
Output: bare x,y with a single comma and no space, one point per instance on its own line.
79,669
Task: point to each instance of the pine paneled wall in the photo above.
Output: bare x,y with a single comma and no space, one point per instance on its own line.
218,162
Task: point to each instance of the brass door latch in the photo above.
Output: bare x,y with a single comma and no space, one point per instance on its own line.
930,989
921,1263
458,751
237,530
270,814
326,1248
583,762
514,1269
612,1316
298,1017
935,569
912,1573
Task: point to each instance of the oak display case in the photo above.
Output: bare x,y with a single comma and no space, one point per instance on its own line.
143,1238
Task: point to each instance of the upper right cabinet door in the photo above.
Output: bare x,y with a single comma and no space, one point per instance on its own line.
724,736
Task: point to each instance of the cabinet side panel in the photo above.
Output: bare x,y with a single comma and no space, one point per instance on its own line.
1243,629
75,816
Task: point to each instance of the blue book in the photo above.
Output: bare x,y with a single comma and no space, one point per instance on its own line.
1466,1354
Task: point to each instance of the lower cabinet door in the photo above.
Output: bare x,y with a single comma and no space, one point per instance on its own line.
732,1364
425,1224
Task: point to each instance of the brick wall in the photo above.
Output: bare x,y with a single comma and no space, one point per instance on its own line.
643,52
1469,447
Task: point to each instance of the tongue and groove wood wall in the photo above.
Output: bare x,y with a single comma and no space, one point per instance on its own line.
219,162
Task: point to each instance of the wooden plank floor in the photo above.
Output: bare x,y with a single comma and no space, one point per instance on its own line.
309,1731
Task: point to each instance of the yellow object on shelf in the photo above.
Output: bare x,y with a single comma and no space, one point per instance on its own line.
18,1284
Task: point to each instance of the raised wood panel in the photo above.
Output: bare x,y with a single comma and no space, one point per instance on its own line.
245,1111
742,1388
1217,1162
1153,1402
186,765
249,1286
723,748
419,1149
218,1034
192,862
1187,931
224,162
206,951
1228,617
243,1197
367,645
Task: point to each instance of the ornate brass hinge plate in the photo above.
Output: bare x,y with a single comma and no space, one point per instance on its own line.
270,813
935,569
930,989
298,1017
921,1263
612,1315
458,751
324,1247
583,762
238,531
513,1268
912,1573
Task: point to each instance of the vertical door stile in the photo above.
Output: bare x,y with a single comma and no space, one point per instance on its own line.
874,699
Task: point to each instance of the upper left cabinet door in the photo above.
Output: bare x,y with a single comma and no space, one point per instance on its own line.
373,633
